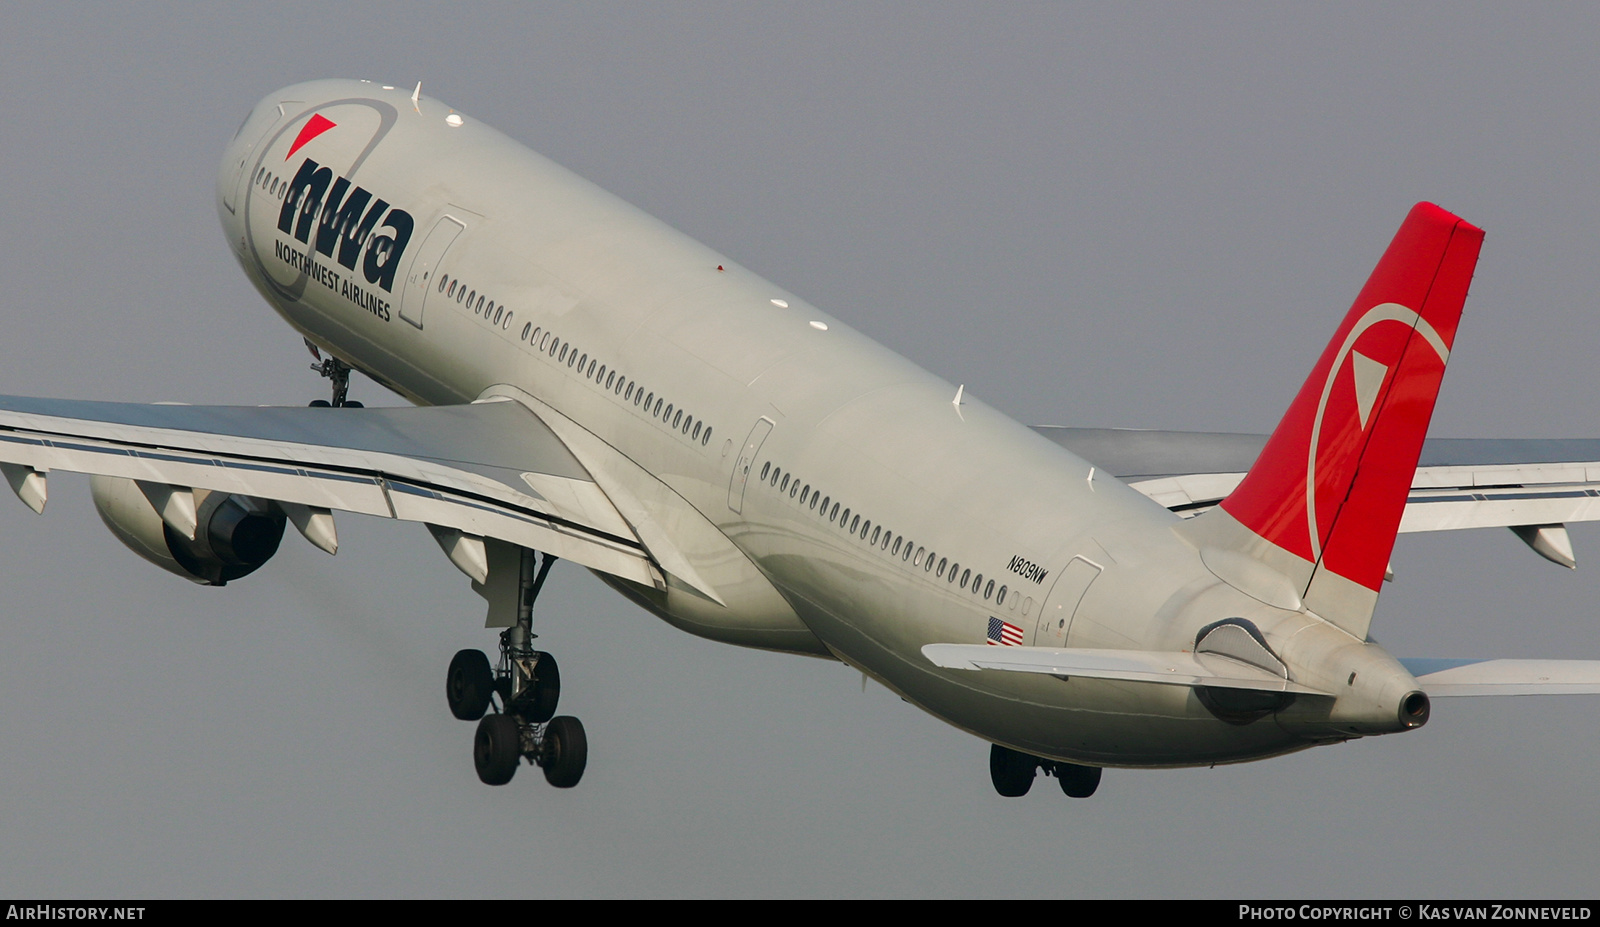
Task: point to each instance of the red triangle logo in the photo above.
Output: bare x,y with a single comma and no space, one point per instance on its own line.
314,127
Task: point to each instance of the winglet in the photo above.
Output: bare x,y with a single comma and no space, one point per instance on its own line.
1331,484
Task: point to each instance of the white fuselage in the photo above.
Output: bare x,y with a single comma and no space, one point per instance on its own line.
607,316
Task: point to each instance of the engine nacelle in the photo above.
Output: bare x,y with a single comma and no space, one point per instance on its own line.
234,537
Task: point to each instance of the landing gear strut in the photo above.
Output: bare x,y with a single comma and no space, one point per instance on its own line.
523,690
338,372
1012,773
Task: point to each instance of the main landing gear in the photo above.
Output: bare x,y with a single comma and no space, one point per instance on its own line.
337,371
1012,773
522,690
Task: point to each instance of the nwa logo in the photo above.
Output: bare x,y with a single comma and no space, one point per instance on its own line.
344,218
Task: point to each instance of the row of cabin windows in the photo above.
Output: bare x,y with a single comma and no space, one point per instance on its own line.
606,378
271,184
472,299
881,538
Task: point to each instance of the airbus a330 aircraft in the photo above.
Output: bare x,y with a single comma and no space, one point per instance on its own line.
593,385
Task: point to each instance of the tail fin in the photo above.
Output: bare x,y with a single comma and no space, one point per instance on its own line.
1331,484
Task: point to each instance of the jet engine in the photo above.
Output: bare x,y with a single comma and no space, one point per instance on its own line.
233,535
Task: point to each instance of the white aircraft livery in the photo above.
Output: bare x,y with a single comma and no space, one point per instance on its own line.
590,384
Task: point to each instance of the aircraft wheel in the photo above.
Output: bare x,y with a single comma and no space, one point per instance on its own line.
320,404
565,753
541,702
469,685
497,749
1011,772
1078,781
353,404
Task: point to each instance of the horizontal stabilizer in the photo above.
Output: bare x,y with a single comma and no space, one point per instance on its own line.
1165,668
1446,678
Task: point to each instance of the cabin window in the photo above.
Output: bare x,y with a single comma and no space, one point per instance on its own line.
507,323
705,438
784,486
696,436
765,469
442,281
977,581
834,515
965,575
896,550
917,561
940,572
845,521
855,523
477,307
1002,599
572,357
657,412
525,329
989,589
677,419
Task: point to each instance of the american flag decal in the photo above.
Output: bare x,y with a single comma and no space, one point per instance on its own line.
1004,634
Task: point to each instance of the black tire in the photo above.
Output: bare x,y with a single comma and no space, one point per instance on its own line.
1011,772
1078,781
469,684
353,404
565,753
320,404
539,705
497,749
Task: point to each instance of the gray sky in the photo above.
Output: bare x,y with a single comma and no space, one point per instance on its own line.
1106,215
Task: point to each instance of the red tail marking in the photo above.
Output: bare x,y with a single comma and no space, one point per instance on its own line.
314,127
1332,482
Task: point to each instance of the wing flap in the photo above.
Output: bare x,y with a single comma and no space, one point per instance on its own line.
1171,668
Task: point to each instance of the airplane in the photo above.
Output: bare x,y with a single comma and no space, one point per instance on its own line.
589,384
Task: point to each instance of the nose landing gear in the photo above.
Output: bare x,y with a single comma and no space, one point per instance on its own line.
523,691
338,372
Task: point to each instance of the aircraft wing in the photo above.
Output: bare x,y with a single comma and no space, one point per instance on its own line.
484,470
1526,485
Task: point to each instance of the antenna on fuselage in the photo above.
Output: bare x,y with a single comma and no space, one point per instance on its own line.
416,98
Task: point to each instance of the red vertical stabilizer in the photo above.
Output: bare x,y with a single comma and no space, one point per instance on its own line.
1331,484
